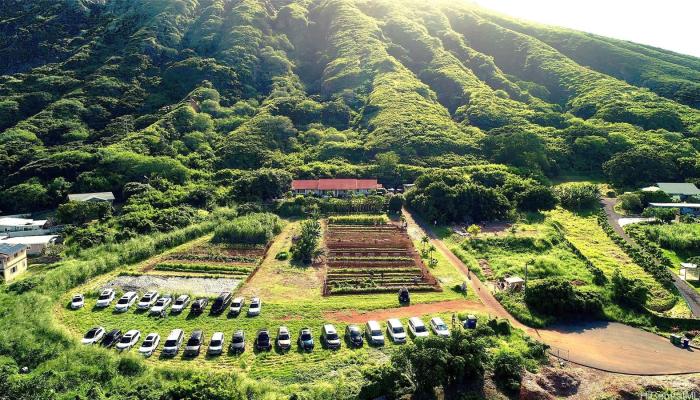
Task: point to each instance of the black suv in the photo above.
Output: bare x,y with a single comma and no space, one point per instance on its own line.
221,303
194,344
111,338
263,341
199,305
353,334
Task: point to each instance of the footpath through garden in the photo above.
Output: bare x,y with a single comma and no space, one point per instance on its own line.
607,346
692,298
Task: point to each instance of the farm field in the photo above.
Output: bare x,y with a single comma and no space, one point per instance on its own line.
292,296
372,259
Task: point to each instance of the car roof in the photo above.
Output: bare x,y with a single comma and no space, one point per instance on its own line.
373,324
183,296
113,331
78,295
329,327
217,335
175,333
239,333
151,293
416,321
131,332
129,293
107,290
353,327
95,328
152,335
197,333
255,299
393,321
437,320
238,299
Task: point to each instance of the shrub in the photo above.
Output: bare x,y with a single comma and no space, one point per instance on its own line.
75,212
358,220
631,202
558,297
662,214
257,228
395,203
508,369
628,290
305,247
578,195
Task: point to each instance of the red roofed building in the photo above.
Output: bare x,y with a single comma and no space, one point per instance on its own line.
334,187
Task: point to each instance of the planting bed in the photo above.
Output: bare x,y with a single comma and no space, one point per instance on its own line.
373,259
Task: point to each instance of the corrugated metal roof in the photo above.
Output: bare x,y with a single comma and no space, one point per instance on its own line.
9,249
105,196
335,184
687,189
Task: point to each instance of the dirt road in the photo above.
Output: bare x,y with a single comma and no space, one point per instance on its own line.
607,346
357,317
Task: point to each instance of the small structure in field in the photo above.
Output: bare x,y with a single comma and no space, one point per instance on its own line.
13,260
514,283
335,187
92,197
683,208
680,190
690,272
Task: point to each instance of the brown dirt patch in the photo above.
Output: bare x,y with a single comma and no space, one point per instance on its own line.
358,317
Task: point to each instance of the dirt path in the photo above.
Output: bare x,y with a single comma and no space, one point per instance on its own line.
608,346
690,295
360,317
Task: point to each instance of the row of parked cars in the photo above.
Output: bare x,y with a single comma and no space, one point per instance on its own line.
157,304
263,340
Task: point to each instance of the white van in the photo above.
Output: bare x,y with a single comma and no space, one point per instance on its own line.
396,331
173,342
374,333
417,327
125,302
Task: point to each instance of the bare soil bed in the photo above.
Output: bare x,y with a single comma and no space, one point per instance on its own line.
373,259
194,285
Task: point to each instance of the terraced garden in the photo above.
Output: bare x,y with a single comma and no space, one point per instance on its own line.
373,259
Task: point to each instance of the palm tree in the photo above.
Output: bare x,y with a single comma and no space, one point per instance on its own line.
425,240
431,249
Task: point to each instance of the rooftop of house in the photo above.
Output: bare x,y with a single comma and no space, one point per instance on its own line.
103,196
335,184
13,221
682,188
675,205
513,279
29,240
10,249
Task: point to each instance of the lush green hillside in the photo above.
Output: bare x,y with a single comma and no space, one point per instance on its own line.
96,94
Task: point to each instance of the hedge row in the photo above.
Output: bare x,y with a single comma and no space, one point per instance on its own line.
637,233
598,274
201,268
213,257
638,255
358,220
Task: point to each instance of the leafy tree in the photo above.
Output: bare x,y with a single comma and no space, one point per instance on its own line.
305,246
640,166
629,291
25,197
508,369
474,230
578,195
631,202
396,203
660,213
78,213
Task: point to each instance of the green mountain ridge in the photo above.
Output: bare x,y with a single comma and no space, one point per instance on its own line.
182,88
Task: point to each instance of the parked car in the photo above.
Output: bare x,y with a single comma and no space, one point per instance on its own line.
236,306
111,338
106,298
93,335
404,296
237,342
216,344
150,344
417,327
353,334
284,339
221,303
173,342
396,331
78,301
263,340
329,337
129,339
439,327
161,305
306,339
125,302
194,343
147,300
180,303
199,305
374,333
254,307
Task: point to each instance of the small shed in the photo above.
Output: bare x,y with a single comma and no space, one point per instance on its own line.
514,283
681,190
92,197
690,272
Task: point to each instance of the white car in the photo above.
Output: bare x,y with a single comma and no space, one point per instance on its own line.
126,301
254,307
180,303
439,327
161,305
173,342
94,335
216,345
417,327
396,331
106,298
129,340
150,344
236,306
78,301
148,300
284,339
374,333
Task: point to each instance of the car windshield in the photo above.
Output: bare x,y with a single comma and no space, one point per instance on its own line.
355,332
238,339
420,328
441,327
179,302
332,336
283,336
104,296
123,300
170,343
215,343
77,298
91,334
234,304
147,343
160,302
254,305
193,341
398,329
126,339
305,336
263,336
376,333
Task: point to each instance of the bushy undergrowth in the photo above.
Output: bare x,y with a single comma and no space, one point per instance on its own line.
358,219
257,228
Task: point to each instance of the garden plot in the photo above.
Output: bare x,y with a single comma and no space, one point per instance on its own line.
195,286
373,259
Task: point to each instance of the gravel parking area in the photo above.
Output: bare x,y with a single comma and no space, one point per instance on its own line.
194,286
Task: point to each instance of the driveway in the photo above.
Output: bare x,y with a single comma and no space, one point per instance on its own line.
607,346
